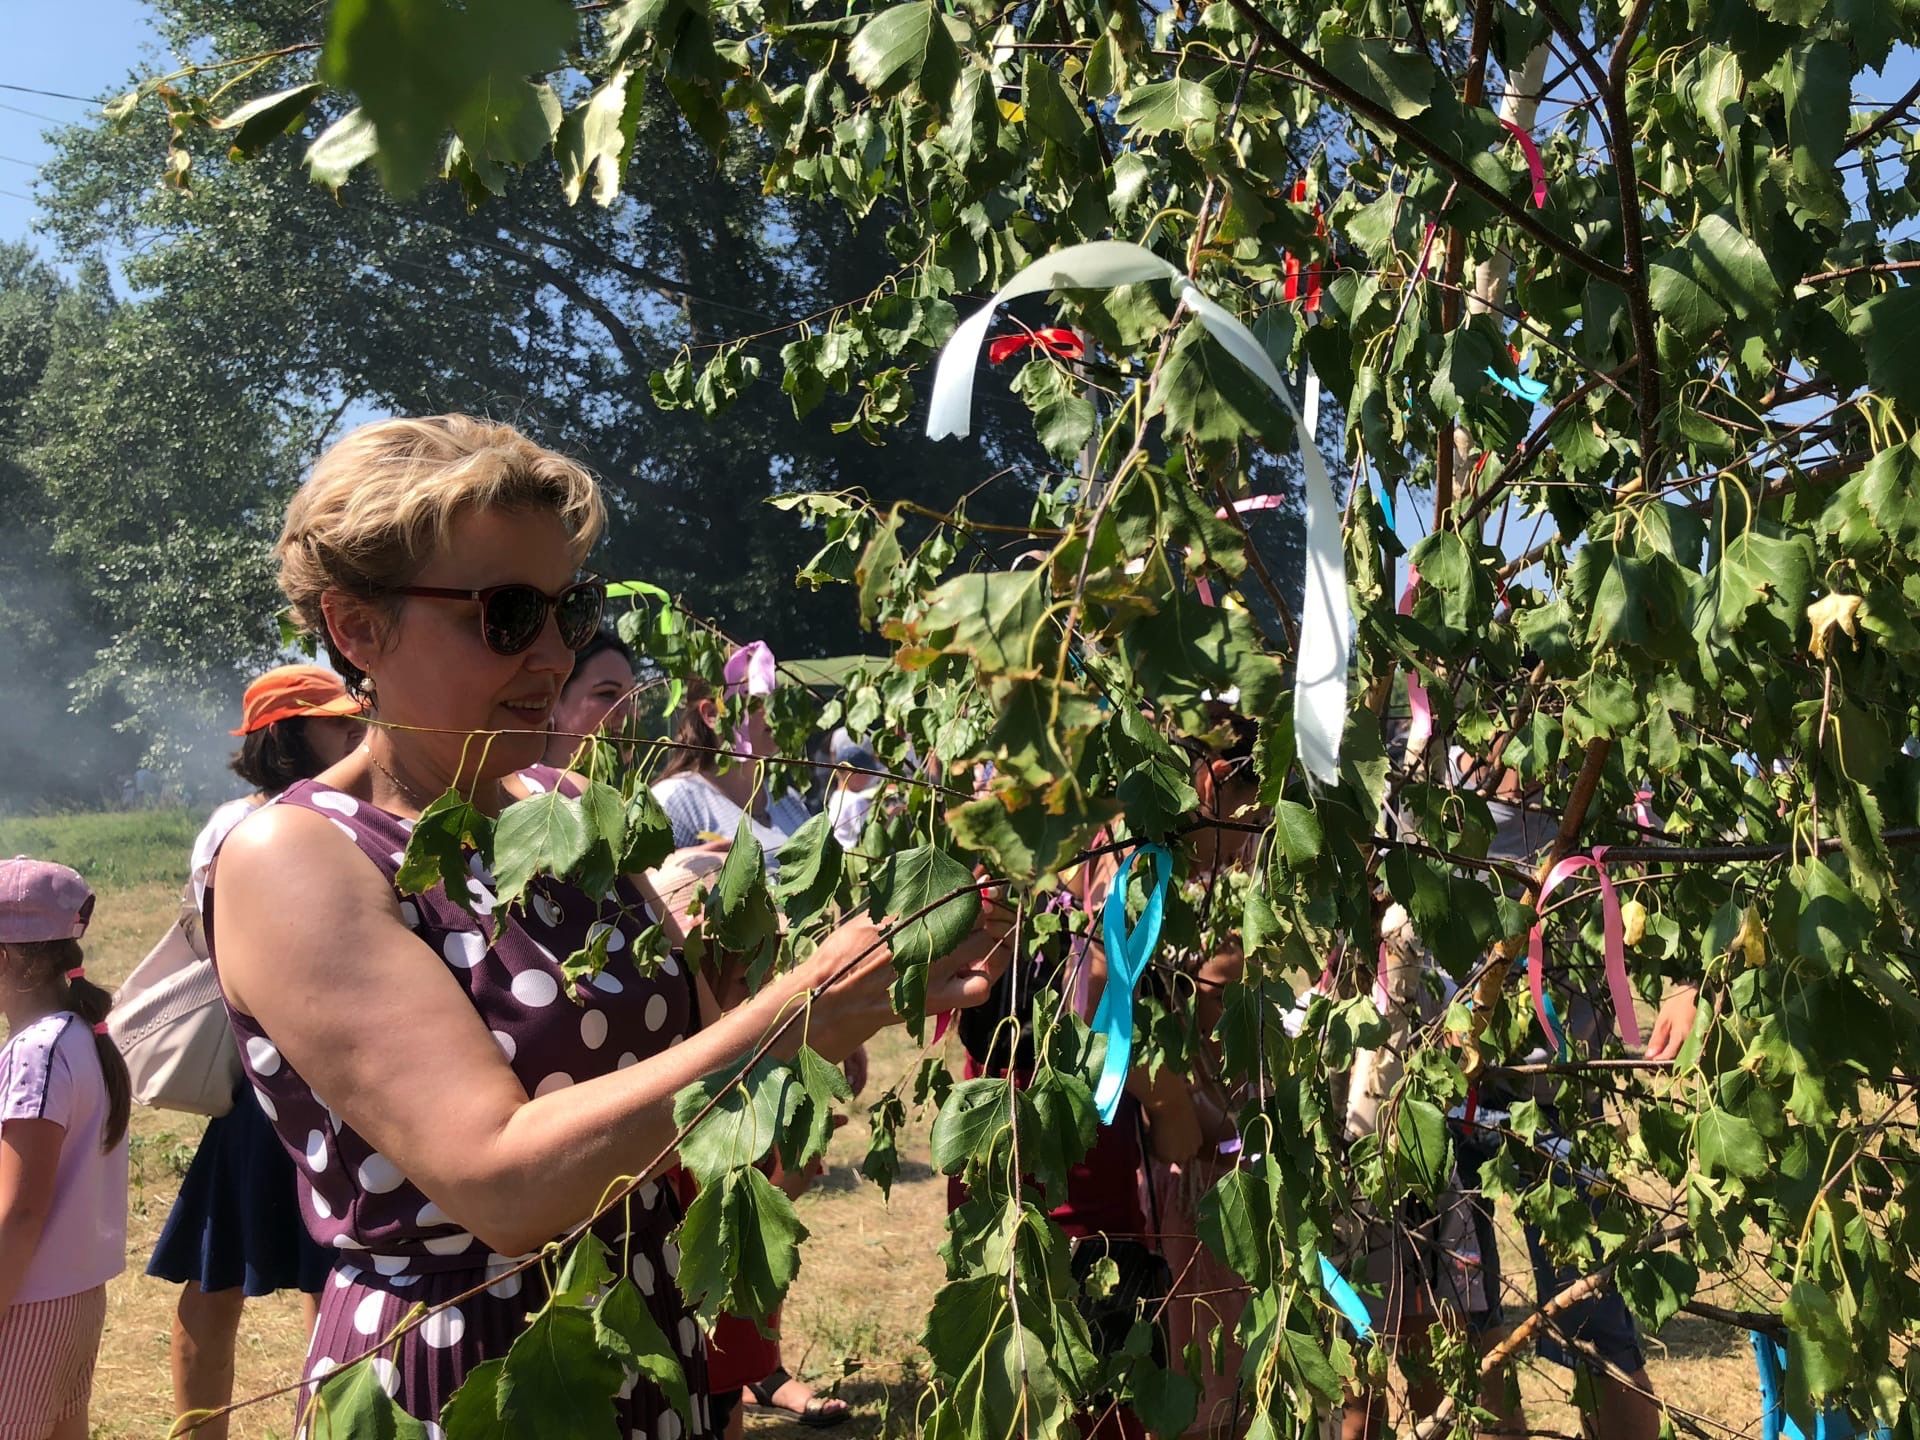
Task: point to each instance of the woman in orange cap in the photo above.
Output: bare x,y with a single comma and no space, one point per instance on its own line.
235,1228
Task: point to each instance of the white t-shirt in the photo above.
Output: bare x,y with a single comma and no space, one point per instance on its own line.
207,843
50,1071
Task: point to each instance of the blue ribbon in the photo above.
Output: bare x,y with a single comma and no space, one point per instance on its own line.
1384,497
1344,1297
1128,952
1770,1358
1525,388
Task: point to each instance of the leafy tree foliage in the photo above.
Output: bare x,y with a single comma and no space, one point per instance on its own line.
1704,284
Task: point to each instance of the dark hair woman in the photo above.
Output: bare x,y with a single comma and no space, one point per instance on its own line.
234,1231
597,698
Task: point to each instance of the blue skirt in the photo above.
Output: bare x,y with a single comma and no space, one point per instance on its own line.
236,1222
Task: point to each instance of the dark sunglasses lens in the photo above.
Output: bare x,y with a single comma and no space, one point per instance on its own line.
578,613
512,618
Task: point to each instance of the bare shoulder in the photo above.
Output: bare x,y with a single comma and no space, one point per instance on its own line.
283,840
289,868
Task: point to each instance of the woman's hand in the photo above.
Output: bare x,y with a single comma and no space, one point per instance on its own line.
852,973
965,977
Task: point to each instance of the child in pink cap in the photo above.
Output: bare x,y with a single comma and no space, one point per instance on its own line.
64,1097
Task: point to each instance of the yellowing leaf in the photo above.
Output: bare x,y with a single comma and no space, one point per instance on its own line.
1828,615
1633,921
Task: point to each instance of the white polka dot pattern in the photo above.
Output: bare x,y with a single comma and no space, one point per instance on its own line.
593,1028
535,989
398,1250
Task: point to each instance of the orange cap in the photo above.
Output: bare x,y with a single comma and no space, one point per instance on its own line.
293,692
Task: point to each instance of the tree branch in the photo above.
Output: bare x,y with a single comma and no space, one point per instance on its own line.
1639,306
1320,78
1887,117
567,285
1884,267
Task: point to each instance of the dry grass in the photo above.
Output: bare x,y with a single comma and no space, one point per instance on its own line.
852,1323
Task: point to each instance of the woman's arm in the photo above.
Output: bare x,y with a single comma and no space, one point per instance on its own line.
1173,1123
29,1162
313,948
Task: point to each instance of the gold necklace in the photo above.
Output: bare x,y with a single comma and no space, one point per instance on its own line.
405,789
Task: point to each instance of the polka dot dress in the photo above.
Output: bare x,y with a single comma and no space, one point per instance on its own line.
395,1249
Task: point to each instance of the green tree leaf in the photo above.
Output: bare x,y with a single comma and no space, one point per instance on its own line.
1163,105
342,148
558,1381
1728,1144
741,1127
1401,80
975,1111
624,1328
810,865
594,140
907,883
541,835
353,1404
903,45
447,832
739,1246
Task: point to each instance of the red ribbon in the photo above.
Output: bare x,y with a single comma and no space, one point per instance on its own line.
1054,338
1293,289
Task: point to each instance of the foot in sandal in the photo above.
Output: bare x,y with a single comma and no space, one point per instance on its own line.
781,1393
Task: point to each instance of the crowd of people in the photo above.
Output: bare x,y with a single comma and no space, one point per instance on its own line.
438,560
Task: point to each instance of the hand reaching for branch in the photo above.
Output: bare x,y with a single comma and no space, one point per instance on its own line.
1673,1024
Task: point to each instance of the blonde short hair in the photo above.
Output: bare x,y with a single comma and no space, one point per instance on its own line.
382,500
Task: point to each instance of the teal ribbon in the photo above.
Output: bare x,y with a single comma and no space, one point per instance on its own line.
1128,952
1558,1033
1525,388
1346,1299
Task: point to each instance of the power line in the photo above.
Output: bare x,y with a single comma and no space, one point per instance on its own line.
32,114
15,194
52,94
16,160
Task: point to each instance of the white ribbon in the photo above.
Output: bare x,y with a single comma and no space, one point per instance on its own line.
1320,669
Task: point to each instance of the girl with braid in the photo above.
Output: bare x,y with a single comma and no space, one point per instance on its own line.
64,1097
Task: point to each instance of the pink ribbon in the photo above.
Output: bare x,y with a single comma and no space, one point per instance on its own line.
1534,166
750,669
1420,728
1240,507
1615,947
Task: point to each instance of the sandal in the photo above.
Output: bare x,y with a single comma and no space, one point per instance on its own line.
821,1412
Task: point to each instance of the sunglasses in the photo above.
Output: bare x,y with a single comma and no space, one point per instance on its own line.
512,616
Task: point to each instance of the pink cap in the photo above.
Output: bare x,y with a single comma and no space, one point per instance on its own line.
40,900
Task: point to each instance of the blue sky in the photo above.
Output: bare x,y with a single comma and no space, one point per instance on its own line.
85,48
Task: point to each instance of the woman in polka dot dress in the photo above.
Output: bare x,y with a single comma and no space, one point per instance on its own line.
448,1106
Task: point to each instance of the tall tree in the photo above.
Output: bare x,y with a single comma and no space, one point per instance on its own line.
332,305
1655,307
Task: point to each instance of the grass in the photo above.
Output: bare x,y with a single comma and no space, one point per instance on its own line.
110,848
855,1314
